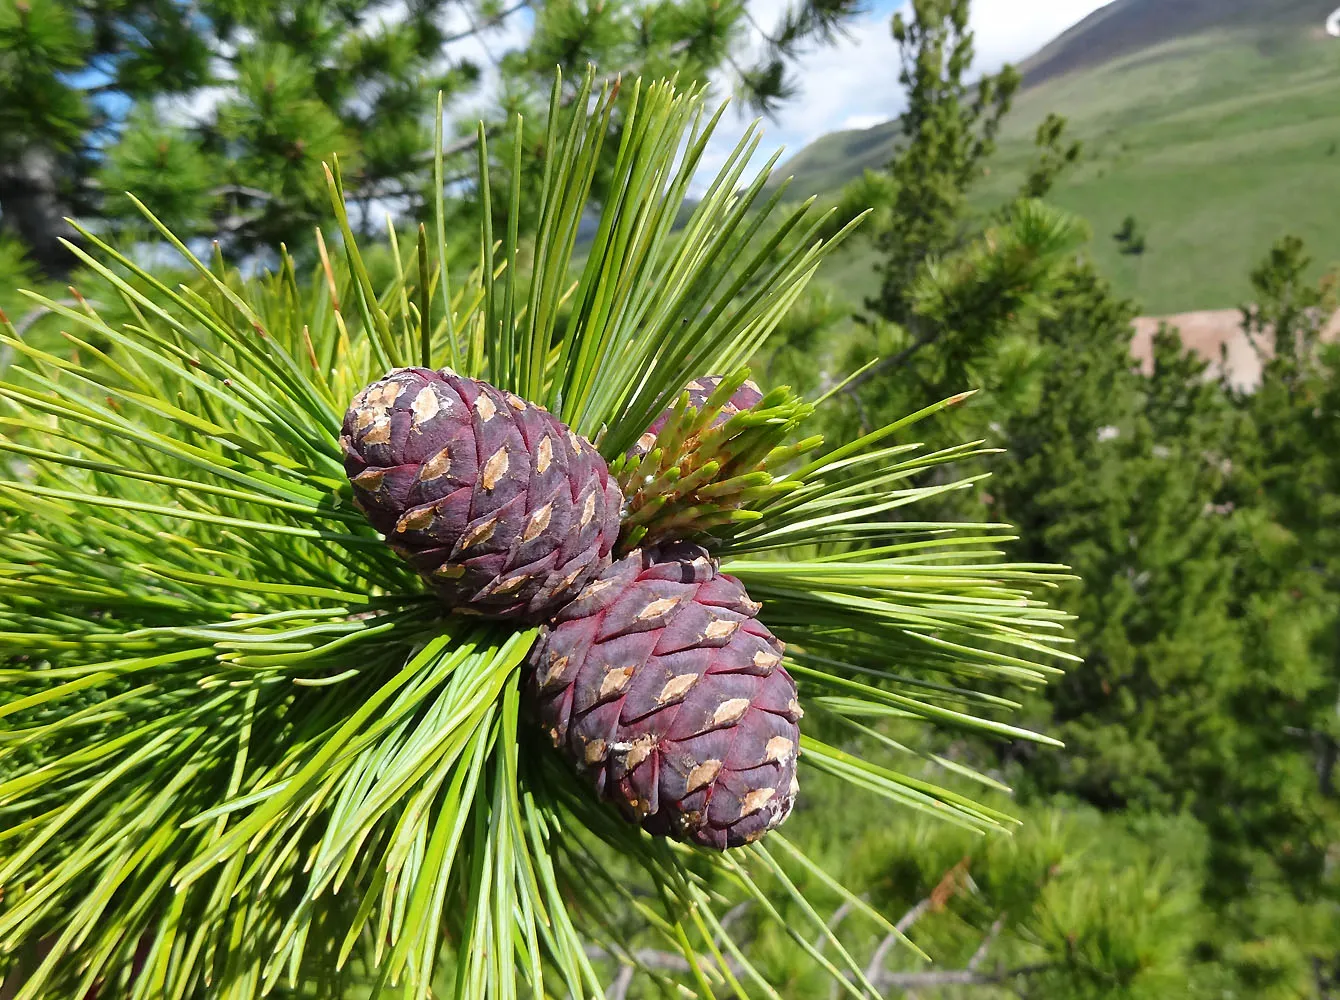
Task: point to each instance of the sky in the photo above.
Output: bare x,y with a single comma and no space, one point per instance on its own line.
851,84
854,84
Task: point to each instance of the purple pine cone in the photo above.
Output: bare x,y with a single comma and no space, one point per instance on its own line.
503,510
663,686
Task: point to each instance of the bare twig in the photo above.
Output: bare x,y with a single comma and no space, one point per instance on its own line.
487,23
477,29
904,924
469,142
753,22
619,988
238,221
956,977
839,915
241,189
24,324
885,364
664,961
735,913
667,961
979,955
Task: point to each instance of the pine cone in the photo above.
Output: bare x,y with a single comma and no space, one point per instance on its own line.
700,390
662,685
504,510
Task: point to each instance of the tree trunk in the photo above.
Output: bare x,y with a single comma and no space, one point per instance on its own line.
33,211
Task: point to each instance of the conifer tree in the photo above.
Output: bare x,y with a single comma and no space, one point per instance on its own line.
950,127
957,289
252,747
222,112
1203,622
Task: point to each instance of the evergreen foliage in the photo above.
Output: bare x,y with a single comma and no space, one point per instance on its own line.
1199,520
242,752
950,128
245,752
221,113
1207,688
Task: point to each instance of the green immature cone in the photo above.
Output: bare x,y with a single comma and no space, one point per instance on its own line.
706,457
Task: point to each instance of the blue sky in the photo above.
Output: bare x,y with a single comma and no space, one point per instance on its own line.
854,84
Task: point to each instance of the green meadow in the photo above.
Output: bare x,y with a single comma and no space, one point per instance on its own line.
1217,144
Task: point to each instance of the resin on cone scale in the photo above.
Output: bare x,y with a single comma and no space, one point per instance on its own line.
664,687
505,511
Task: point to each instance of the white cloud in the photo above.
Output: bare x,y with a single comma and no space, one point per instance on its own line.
854,84
1011,30
858,122
485,49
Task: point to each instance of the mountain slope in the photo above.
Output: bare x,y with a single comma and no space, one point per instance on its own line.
829,162
1219,134
1124,27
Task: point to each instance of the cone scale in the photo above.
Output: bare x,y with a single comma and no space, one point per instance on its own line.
503,510
653,673
666,690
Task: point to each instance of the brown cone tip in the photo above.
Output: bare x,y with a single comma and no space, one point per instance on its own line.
502,509
663,686
700,390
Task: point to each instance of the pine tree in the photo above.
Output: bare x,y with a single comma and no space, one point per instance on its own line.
950,128
60,66
221,113
1205,688
959,290
247,749
1201,684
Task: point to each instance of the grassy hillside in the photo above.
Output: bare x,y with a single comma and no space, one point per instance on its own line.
1125,27
829,162
1217,141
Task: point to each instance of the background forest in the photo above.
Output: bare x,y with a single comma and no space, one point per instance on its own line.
1185,842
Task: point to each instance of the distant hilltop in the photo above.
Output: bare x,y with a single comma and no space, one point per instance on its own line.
1138,31
1126,27
1212,123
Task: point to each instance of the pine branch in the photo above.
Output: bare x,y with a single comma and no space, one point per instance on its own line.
904,924
491,22
958,977
221,659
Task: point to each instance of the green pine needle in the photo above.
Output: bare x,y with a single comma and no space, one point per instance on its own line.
242,750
